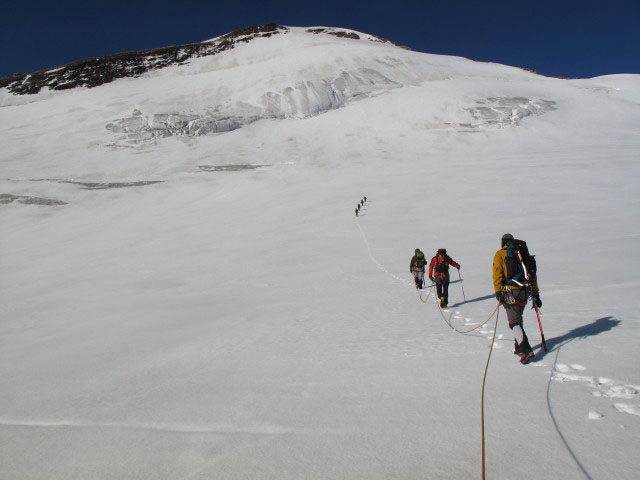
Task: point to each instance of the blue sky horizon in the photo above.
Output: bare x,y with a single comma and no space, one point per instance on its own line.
571,39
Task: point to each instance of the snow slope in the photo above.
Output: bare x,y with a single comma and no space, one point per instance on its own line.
187,298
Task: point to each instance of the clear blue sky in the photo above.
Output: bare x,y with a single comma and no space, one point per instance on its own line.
573,38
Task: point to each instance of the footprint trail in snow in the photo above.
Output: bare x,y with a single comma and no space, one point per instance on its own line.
603,387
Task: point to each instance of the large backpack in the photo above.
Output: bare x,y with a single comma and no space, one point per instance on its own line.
441,261
519,264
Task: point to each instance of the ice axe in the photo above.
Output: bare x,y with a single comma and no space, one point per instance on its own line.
544,344
533,300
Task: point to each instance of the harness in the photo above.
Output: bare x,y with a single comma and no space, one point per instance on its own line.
510,299
515,283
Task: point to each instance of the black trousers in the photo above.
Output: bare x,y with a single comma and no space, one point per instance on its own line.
442,285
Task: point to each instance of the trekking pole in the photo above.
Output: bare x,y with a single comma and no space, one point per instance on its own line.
461,284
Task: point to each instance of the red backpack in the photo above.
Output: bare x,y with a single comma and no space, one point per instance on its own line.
441,261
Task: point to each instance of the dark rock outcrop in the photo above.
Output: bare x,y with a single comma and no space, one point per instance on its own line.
337,32
92,72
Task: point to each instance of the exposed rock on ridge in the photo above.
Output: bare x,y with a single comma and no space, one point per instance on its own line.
92,72
96,71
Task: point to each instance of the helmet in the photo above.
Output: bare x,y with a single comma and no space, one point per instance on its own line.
507,237
417,251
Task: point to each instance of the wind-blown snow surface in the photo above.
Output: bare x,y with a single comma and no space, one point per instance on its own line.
235,322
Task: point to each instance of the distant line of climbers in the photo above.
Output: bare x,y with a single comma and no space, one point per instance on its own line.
360,204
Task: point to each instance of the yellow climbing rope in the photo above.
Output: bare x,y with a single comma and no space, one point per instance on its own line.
486,368
464,332
428,294
496,313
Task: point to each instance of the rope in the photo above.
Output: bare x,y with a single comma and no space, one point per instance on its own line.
428,294
486,368
495,312
465,332
373,259
402,280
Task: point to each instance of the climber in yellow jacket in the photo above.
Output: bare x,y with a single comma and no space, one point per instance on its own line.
514,280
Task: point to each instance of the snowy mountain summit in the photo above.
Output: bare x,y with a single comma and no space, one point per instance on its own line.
188,293
263,72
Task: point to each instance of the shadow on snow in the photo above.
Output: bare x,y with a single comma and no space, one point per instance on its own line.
597,327
473,300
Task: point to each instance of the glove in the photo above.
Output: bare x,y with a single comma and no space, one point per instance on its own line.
536,301
459,267
432,280
499,297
